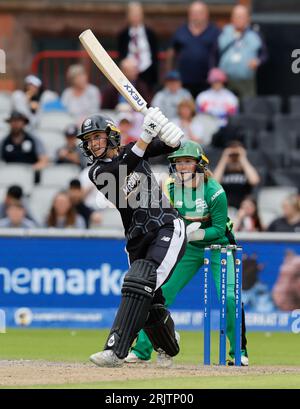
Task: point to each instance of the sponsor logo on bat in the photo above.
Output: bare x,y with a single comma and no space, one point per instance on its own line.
133,94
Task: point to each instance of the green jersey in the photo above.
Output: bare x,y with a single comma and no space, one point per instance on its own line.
206,204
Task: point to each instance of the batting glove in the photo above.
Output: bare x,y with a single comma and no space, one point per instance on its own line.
171,134
193,232
153,123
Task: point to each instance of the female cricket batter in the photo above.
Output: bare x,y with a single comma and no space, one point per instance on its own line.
155,232
202,202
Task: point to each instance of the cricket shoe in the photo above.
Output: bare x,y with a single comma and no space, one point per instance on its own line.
107,359
244,361
134,359
164,360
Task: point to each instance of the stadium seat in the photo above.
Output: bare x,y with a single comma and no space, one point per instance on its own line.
111,219
59,175
262,140
269,201
4,130
40,202
3,191
5,104
286,123
274,160
17,174
256,158
252,122
294,105
267,217
213,155
269,105
287,177
210,126
52,141
54,120
293,159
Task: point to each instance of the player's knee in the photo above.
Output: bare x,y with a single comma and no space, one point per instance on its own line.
140,278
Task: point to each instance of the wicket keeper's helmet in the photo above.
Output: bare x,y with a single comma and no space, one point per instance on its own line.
99,123
189,149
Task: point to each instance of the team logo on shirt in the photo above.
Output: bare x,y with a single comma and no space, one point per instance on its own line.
201,204
214,196
131,184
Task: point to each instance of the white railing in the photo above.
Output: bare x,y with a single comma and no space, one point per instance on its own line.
119,234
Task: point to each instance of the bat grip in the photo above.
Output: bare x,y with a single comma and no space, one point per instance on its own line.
144,110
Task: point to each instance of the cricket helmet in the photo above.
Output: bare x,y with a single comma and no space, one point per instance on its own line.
189,149
99,123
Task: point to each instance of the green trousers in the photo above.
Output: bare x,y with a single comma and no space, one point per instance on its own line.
188,266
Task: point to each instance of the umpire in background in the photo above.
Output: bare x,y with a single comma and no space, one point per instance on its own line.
154,231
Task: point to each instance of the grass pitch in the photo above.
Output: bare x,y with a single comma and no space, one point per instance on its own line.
59,359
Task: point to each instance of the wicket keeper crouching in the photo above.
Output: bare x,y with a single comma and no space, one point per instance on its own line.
154,231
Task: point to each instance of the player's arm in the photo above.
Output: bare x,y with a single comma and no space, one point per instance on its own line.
158,147
133,153
218,213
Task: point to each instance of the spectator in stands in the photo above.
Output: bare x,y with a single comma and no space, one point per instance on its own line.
189,122
217,101
14,195
171,95
136,118
76,195
81,99
247,218
16,217
139,42
241,51
70,152
21,147
236,174
63,214
290,222
193,44
112,98
31,100
125,125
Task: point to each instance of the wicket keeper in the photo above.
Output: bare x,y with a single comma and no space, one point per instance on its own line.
202,203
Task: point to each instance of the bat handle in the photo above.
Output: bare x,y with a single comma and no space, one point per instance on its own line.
144,110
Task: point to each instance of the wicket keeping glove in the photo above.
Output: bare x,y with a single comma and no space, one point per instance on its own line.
171,134
193,232
153,123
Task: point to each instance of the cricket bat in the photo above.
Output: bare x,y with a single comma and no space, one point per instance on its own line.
112,72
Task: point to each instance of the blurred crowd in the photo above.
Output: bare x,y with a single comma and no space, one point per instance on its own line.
209,74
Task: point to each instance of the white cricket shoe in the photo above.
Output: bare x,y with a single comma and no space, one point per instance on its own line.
134,359
107,359
164,360
244,360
